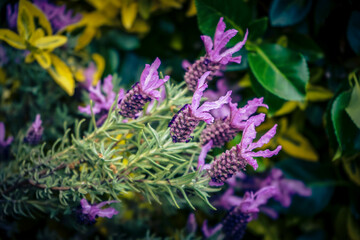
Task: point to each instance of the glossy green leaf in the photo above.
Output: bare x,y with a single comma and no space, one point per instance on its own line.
279,70
347,134
288,12
353,31
274,102
237,15
353,109
306,46
257,28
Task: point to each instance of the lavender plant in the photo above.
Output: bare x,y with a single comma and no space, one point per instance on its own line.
105,162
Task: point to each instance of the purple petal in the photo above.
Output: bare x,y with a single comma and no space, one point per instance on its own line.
204,150
220,28
85,205
266,153
269,211
264,139
250,160
207,43
37,123
121,94
207,106
249,134
107,212
191,223
185,64
149,71
208,232
236,48
219,45
199,91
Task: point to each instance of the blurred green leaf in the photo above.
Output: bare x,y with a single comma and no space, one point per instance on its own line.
353,227
274,102
257,28
288,12
347,134
353,109
319,177
281,71
237,14
353,31
306,46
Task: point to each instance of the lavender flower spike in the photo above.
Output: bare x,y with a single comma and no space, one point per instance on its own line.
4,143
189,116
234,224
88,213
238,157
102,103
141,93
34,134
216,55
224,130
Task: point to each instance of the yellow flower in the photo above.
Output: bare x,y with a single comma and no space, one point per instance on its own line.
40,42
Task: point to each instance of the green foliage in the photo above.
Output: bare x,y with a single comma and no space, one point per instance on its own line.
345,130
107,162
281,71
353,30
288,12
237,15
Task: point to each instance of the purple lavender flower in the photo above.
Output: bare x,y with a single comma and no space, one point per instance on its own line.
4,143
102,103
221,90
191,224
89,76
224,130
189,116
236,159
58,16
216,55
11,15
286,188
34,134
245,210
143,91
88,213
3,58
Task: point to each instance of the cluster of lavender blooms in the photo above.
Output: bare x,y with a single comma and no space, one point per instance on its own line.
35,132
88,213
244,209
216,55
103,97
58,16
4,143
223,129
142,92
189,116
